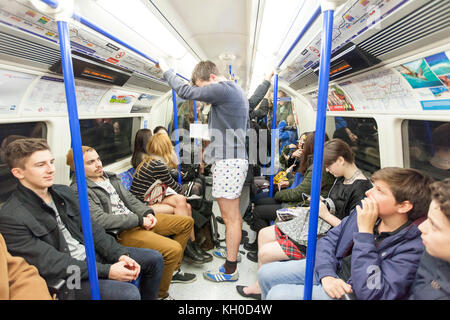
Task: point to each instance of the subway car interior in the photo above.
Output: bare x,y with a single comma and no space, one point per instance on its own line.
387,96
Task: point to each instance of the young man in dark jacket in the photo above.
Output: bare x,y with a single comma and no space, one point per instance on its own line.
41,222
117,210
433,276
373,253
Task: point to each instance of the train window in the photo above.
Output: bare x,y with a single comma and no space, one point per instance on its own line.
362,136
427,147
110,137
8,133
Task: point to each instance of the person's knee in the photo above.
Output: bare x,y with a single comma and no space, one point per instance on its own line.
281,292
174,251
151,259
264,273
264,254
129,291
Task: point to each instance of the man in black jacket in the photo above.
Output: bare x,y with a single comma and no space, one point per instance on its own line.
41,223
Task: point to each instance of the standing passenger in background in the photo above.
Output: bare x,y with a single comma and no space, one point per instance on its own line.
433,276
256,100
229,114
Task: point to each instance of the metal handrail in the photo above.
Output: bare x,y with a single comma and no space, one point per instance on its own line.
69,84
319,138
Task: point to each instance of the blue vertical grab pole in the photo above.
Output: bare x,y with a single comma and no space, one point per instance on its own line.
69,83
175,129
273,135
318,149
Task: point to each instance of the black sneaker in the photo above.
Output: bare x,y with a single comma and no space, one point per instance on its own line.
181,277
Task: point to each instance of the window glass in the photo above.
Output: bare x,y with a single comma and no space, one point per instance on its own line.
8,133
427,147
361,134
111,138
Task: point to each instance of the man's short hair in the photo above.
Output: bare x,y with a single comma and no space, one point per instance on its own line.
440,192
69,157
19,150
407,184
203,70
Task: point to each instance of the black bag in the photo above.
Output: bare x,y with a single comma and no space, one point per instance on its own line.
189,172
205,226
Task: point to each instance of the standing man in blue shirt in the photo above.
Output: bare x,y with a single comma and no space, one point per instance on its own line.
228,124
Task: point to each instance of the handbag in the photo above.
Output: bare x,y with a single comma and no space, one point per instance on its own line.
297,228
155,193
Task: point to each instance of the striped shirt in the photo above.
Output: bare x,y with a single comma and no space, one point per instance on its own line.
148,174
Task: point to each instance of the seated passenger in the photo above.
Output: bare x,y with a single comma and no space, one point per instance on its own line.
156,166
350,185
373,253
116,209
140,144
433,276
265,209
284,240
160,129
41,222
18,279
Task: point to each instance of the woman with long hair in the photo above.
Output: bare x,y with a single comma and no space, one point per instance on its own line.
155,166
350,184
140,145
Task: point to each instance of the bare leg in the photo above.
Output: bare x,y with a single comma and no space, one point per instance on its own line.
231,214
162,208
268,251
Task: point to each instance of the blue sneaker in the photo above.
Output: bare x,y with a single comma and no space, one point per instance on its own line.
221,276
222,253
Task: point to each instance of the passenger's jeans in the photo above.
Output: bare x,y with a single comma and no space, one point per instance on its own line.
284,280
151,262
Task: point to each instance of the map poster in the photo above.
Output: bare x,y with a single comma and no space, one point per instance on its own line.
382,90
49,96
13,86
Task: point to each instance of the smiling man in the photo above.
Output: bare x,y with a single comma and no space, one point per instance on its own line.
41,223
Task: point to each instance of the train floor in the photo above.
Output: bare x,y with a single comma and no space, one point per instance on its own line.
203,289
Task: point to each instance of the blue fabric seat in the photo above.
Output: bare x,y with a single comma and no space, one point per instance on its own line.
126,178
